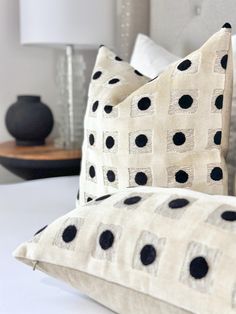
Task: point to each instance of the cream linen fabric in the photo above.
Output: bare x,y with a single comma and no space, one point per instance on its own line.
145,250
170,132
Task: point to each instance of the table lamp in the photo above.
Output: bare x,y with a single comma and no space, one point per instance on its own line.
82,24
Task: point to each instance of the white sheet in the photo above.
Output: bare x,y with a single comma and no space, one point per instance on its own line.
25,208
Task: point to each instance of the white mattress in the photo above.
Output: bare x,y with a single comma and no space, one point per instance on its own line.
25,208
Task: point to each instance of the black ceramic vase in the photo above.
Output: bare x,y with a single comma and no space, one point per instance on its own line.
29,120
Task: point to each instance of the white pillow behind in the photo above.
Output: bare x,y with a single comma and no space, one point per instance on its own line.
149,58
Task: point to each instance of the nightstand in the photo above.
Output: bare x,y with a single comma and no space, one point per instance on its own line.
36,162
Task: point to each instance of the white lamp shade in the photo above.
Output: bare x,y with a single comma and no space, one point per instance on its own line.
86,23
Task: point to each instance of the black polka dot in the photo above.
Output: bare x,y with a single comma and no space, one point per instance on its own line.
198,267
141,178
217,138
229,215
184,65
96,75
148,255
69,233
95,106
111,177
113,81
108,109
141,140
178,203
138,73
216,174
110,142
92,171
181,176
179,138
153,79
102,198
219,102
132,200
224,61
226,25
91,139
144,103
106,239
40,230
78,195
101,46
118,58
185,101
89,199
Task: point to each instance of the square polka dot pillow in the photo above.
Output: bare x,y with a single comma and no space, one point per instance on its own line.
172,131
145,250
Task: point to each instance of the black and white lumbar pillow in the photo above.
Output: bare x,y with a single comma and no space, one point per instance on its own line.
169,132
145,250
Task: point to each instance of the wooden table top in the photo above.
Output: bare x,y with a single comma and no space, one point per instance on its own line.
44,152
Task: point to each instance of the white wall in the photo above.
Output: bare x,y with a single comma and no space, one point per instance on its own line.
23,70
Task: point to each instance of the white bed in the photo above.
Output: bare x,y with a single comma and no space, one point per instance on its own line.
24,208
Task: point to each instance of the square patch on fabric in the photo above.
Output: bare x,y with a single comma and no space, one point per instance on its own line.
140,176
142,105
68,232
199,267
224,217
140,142
183,101
181,140
148,252
180,177
106,242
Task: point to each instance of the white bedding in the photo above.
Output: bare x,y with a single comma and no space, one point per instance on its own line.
25,208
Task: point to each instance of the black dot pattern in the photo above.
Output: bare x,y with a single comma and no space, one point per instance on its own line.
198,268
148,255
96,75
224,61
102,198
106,240
179,138
141,178
110,142
91,139
114,81
217,138
89,199
216,174
92,172
229,215
95,106
219,102
111,177
178,203
181,176
226,25
40,230
69,233
184,65
118,58
132,200
138,73
141,140
185,101
144,103
108,109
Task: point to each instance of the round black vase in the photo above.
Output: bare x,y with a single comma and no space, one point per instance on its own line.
29,120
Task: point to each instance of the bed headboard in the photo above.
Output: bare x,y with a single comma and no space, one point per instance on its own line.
182,26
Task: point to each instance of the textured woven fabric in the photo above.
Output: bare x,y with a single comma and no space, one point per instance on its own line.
170,132
145,250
